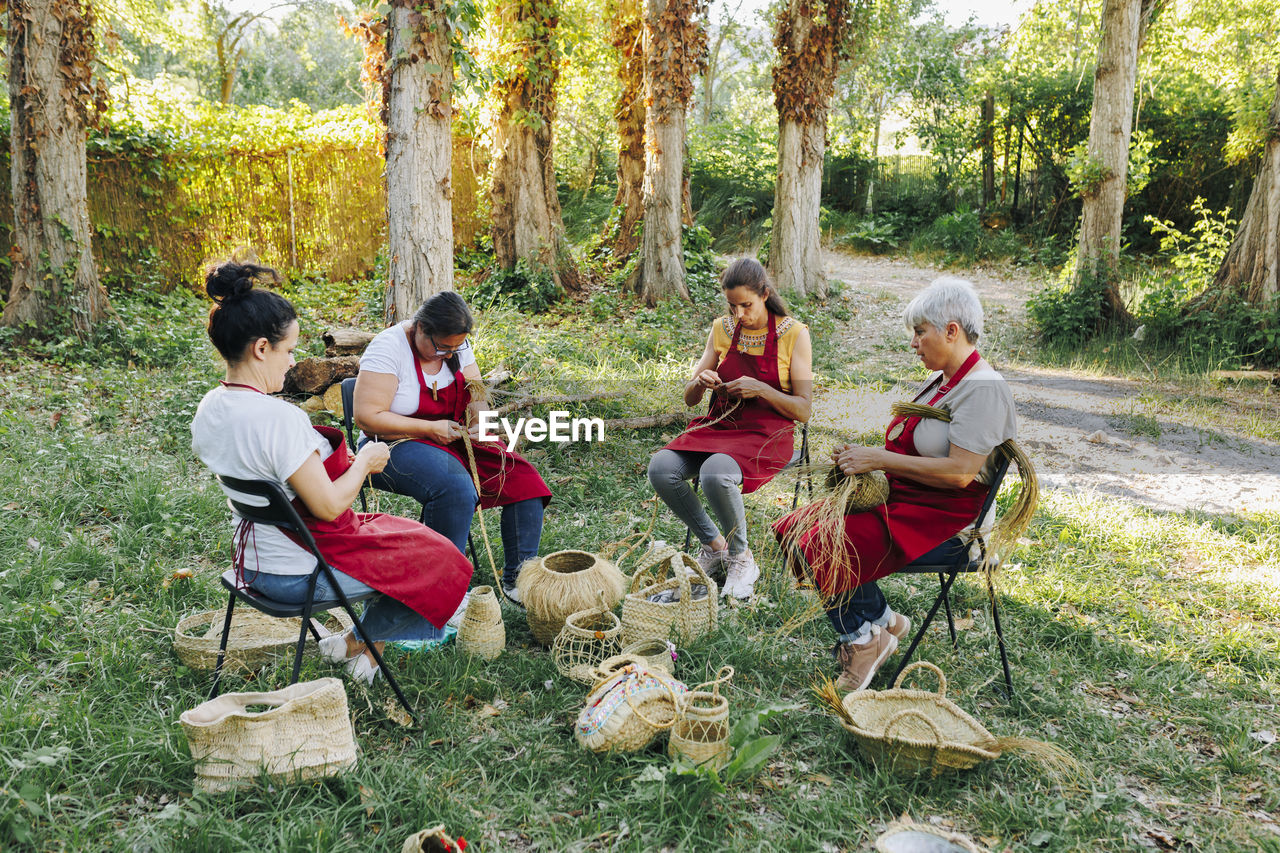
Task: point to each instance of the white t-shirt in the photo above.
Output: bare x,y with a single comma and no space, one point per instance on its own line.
982,418
390,352
241,433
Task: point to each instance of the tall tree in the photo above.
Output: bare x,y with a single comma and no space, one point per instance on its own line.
1251,268
52,100
417,105
630,115
811,39
525,206
675,49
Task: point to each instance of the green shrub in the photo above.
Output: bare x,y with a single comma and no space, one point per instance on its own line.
527,287
1068,314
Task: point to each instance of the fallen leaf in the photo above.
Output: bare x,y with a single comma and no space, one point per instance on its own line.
396,713
11,506
964,623
1163,840
367,800
1266,736
488,711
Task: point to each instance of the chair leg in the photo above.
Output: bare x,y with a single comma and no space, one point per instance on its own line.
222,649
475,562
302,638
377,656
951,621
995,618
924,626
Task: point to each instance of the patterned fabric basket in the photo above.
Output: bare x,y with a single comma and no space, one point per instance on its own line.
482,633
701,730
305,733
917,730
628,707
587,638
255,637
657,654
660,602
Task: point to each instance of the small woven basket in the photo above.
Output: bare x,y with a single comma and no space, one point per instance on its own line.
628,707
917,730
433,840
684,618
906,836
587,638
554,587
305,733
657,654
701,730
482,633
255,637
862,491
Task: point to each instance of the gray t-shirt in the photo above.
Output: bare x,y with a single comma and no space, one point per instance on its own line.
982,418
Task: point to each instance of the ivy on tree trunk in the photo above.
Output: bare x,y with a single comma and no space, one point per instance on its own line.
53,99
630,116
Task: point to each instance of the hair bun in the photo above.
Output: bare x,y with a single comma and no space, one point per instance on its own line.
231,280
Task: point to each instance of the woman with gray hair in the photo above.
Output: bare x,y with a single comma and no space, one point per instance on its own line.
939,473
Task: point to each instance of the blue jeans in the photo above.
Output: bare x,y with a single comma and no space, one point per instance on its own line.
384,618
437,480
853,612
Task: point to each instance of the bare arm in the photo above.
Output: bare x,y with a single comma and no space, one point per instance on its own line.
953,471
704,374
371,405
327,499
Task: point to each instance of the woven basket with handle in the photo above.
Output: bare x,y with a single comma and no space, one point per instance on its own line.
701,730
255,638
629,706
666,570
587,638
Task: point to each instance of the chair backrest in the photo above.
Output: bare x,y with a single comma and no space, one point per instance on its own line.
1002,468
277,511
348,419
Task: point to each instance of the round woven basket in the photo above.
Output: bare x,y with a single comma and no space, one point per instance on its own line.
868,490
304,733
587,638
558,585
917,730
657,654
907,836
701,730
255,637
482,633
628,707
667,570
433,840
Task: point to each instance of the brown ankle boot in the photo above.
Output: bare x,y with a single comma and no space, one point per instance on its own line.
860,662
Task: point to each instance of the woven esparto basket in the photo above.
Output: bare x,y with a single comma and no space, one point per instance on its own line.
906,836
433,840
628,707
917,730
255,637
664,570
305,733
482,633
558,585
657,654
865,491
701,730
587,638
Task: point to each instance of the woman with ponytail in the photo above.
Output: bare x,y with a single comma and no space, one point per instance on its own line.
758,366
241,431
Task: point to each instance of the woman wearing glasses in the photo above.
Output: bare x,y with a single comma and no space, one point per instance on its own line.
412,385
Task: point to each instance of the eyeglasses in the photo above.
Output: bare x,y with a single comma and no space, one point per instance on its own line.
447,351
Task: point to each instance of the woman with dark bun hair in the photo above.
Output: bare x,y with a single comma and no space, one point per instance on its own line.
413,385
241,431
758,365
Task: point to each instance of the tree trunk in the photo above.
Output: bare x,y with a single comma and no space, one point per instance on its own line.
1110,126
526,209
1251,268
52,99
868,207
418,104
810,39
795,258
988,150
675,48
630,115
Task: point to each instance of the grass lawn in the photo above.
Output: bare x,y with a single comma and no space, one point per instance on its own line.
1146,644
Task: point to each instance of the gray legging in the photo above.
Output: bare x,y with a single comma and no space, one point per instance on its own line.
721,479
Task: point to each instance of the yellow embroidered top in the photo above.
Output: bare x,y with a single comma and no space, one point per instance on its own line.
752,343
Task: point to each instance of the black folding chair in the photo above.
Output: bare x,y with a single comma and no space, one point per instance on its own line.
278,511
800,457
348,424
951,559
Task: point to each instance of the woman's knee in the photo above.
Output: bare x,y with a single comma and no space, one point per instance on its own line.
665,469
720,473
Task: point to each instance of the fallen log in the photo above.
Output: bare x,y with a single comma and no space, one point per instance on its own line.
553,399
314,375
345,341
649,421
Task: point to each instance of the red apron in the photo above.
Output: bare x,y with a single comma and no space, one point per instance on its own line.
912,522
396,556
505,478
755,435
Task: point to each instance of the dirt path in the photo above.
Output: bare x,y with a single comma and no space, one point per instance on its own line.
1165,446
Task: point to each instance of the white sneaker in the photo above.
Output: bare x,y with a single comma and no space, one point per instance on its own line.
512,594
333,648
743,573
456,619
713,562
360,668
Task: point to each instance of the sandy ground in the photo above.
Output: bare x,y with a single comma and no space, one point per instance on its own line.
1139,441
